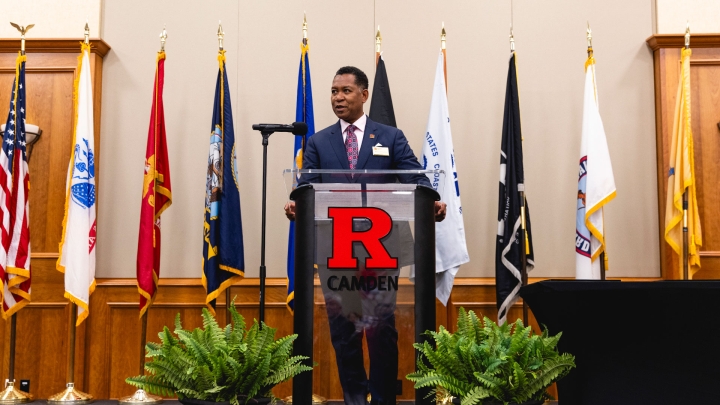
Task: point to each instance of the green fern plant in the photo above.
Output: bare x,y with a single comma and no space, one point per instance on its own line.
219,364
483,362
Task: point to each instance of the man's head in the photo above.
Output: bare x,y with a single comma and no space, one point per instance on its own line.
349,93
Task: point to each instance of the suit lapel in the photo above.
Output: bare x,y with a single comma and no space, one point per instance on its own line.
336,140
367,143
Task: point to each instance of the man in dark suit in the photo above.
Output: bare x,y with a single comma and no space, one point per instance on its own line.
356,142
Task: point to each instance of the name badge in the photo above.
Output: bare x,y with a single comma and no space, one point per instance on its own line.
379,150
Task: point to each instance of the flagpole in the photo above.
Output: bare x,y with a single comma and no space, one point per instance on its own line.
378,45
140,396
443,38
12,395
685,193
70,394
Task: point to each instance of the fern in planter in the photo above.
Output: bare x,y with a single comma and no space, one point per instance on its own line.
484,363
218,365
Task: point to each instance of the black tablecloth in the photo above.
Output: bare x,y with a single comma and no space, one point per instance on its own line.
634,342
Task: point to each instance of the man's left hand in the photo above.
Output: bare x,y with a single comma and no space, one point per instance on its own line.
440,211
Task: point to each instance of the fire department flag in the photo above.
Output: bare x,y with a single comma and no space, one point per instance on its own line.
77,247
14,187
156,195
596,184
681,177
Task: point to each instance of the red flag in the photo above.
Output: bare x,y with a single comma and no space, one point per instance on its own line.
15,209
156,195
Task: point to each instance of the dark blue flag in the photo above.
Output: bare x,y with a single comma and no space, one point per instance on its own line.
223,252
303,113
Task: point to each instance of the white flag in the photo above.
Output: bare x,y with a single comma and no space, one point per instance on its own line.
77,248
438,153
596,184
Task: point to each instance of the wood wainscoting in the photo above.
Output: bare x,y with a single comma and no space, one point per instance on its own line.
107,347
705,117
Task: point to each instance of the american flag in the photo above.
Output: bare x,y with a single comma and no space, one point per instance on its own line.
14,206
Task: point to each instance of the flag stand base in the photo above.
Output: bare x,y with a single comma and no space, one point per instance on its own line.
70,396
12,395
140,397
316,400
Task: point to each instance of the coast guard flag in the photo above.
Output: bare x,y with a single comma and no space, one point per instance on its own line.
14,202
681,177
156,195
438,153
596,184
303,113
508,256
77,247
223,252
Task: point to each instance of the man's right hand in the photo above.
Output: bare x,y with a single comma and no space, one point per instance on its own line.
290,210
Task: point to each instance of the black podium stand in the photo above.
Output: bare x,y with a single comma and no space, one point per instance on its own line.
634,342
403,203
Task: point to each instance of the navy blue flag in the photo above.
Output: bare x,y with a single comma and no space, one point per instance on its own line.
303,113
223,252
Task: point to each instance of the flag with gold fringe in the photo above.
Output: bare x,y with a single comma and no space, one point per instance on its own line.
77,247
223,251
596,184
303,113
681,177
156,194
14,201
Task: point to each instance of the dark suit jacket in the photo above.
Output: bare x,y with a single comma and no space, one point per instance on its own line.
326,150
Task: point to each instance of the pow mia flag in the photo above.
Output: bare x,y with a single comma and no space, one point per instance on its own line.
508,256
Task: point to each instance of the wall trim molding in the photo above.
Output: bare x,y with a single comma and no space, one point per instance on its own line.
53,45
658,41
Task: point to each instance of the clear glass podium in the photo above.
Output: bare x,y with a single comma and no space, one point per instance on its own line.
363,234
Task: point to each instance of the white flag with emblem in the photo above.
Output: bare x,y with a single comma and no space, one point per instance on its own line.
77,248
596,184
438,153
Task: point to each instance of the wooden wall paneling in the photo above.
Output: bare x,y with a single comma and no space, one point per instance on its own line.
705,89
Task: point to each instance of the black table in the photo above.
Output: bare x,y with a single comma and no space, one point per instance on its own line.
634,342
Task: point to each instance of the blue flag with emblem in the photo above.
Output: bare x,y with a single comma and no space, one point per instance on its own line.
223,252
303,113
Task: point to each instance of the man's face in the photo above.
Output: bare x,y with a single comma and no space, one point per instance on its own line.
347,98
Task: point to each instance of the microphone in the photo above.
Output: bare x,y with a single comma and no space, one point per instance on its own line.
297,128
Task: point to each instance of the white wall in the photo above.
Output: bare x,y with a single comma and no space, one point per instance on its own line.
52,18
673,15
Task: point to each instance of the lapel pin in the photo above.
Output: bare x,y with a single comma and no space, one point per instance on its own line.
372,136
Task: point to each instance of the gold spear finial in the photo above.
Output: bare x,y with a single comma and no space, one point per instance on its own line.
304,28
87,32
443,36
221,35
512,40
378,41
23,31
163,38
687,35
589,41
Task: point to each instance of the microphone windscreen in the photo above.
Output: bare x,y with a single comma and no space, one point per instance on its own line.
299,128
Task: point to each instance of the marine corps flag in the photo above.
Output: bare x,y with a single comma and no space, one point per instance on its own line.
303,113
596,184
223,252
508,256
681,177
77,247
14,202
156,194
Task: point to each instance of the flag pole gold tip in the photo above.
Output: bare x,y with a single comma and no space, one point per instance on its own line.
140,397
23,30
687,35
163,38
512,40
378,40
589,41
87,33
70,396
221,35
12,395
443,36
304,27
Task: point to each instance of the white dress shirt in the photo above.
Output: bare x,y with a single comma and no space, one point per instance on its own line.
359,131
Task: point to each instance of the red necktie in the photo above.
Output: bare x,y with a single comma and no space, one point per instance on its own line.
351,145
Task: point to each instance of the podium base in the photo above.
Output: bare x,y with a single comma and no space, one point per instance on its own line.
12,395
70,396
316,400
140,397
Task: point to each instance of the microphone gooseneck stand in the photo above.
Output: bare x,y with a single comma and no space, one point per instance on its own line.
266,130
